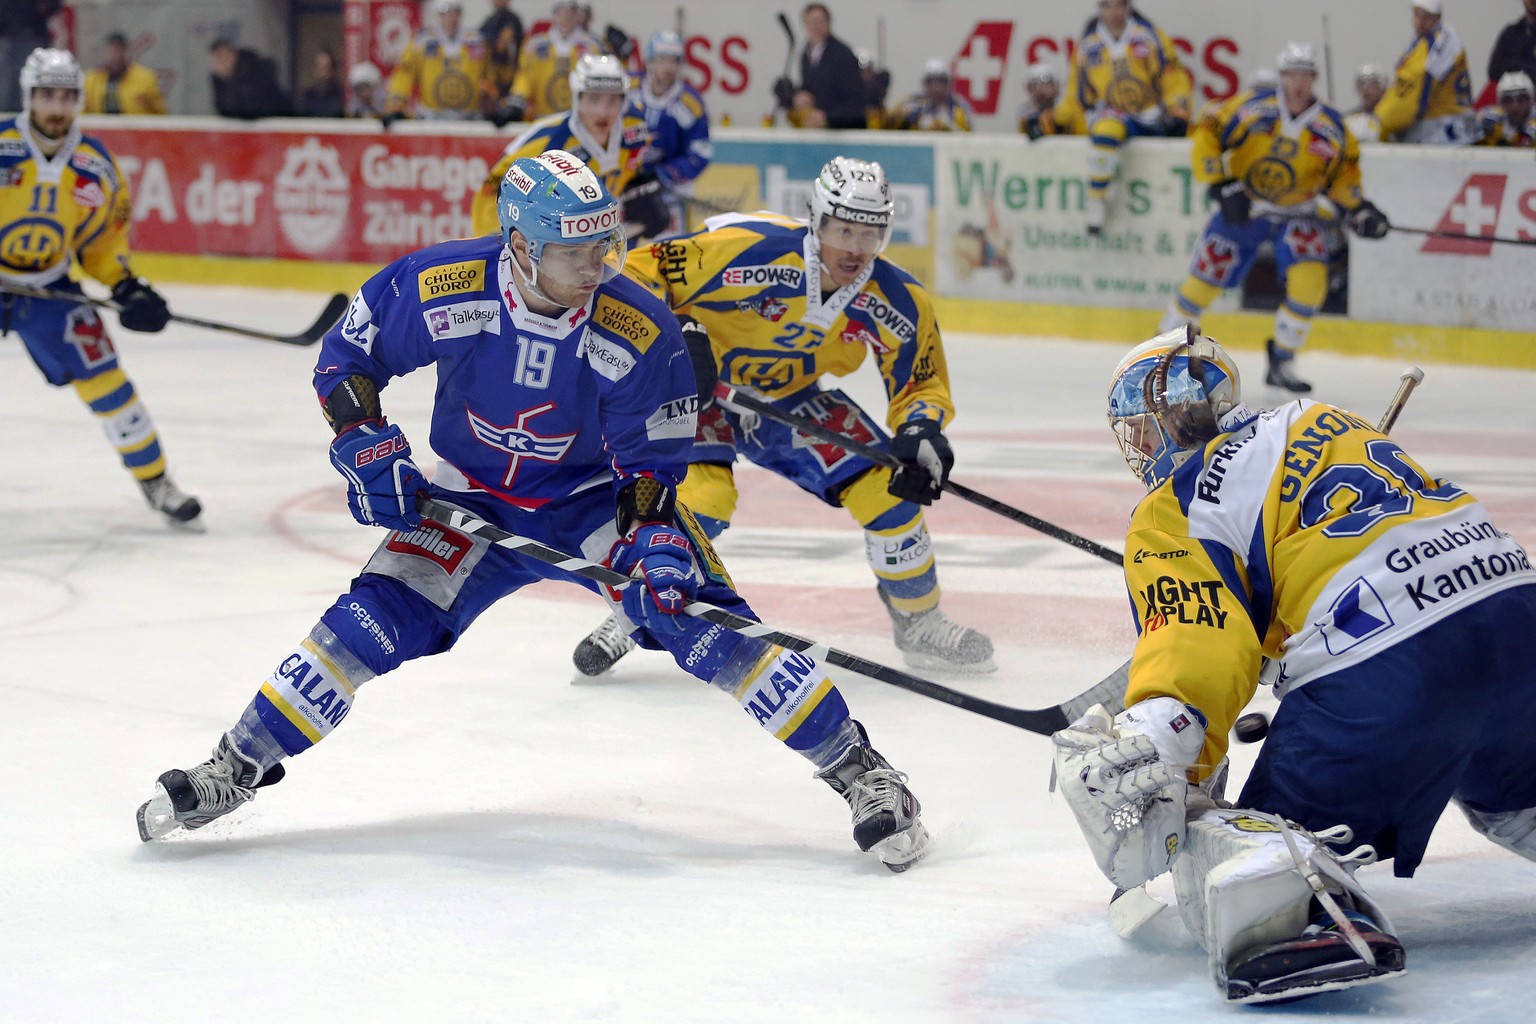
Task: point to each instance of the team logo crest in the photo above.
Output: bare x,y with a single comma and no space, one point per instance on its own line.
768,307
519,441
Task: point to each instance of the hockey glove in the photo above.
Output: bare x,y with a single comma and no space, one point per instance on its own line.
661,558
1367,221
1124,779
706,372
140,307
784,92
382,481
1236,206
1174,126
926,459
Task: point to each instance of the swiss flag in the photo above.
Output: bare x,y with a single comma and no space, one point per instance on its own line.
1474,211
981,64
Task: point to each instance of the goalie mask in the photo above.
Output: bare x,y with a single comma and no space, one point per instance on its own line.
854,192
1167,400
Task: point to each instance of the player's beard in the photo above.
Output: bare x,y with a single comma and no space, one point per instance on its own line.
52,127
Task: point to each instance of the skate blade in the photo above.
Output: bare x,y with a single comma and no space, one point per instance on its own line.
934,663
157,818
904,849
1306,991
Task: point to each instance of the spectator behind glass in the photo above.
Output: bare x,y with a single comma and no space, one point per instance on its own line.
503,36
245,83
832,92
23,28
120,85
367,84
1515,49
322,97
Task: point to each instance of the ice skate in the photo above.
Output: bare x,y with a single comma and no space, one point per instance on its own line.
601,649
192,798
930,640
162,494
1094,212
1279,373
1320,960
885,813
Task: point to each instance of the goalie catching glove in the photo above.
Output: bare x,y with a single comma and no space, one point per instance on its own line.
1124,778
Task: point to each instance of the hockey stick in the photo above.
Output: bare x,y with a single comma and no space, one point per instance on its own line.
1457,237
735,396
1043,721
311,334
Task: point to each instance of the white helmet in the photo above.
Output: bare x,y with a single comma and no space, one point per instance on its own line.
51,69
936,68
1039,73
1264,78
855,191
599,72
1297,57
1169,397
1513,83
364,73
1372,73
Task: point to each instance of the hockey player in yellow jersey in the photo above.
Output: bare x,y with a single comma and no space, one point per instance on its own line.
937,108
1510,124
780,303
444,73
597,130
544,67
1282,168
1430,98
1402,627
1125,80
63,201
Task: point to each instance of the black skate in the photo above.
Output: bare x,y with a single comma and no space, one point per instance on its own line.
1278,373
885,813
1321,960
602,648
930,640
162,494
192,798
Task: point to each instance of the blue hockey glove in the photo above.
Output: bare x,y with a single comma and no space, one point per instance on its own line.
661,558
926,459
382,481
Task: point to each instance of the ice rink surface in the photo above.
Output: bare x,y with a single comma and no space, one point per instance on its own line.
484,841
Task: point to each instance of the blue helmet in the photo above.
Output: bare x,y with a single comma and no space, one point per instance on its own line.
664,44
1167,399
554,197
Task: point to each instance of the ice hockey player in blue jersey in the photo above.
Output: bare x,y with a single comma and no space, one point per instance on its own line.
565,412
679,148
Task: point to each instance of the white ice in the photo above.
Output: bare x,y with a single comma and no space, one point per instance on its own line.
484,841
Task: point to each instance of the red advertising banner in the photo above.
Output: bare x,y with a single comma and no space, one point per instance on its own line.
361,198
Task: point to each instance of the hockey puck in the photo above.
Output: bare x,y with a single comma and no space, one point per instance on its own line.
1252,727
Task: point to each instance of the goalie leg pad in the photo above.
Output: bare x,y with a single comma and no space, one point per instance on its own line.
1243,896
1513,830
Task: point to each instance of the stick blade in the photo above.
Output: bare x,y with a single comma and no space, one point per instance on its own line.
323,323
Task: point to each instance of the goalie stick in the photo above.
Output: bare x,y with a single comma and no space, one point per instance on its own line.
311,334
1042,721
732,396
